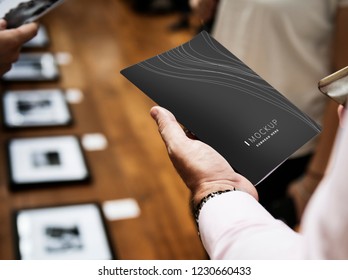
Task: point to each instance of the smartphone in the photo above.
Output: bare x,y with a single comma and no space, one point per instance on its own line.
18,12
335,86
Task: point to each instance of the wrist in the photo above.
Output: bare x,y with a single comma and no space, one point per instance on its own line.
206,189
197,209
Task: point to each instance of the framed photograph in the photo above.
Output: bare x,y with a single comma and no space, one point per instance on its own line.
71,232
41,40
33,67
34,162
35,108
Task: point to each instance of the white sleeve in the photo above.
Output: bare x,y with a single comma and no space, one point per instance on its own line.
325,223
234,225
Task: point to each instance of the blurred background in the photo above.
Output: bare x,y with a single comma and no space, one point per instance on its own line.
91,41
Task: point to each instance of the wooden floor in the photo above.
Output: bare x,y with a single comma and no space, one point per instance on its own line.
103,37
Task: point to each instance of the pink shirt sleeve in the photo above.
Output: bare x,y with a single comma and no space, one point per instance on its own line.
235,226
325,223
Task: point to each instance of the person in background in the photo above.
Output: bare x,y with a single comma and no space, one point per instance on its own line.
231,222
184,22
159,6
11,41
291,44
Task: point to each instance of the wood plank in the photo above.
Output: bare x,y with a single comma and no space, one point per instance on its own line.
103,37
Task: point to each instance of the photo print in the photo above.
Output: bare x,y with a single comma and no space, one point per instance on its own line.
46,158
35,108
62,238
18,12
62,233
46,161
26,107
33,67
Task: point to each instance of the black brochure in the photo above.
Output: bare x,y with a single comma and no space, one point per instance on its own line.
225,104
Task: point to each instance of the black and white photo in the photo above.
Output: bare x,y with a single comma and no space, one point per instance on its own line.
35,108
62,232
32,67
46,160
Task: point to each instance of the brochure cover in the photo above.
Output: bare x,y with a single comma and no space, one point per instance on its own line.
225,104
18,12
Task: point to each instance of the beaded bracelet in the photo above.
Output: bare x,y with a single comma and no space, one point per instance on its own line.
198,208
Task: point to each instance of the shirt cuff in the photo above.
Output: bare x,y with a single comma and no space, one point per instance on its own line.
234,225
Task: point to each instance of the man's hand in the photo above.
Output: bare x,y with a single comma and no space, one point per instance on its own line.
202,168
11,41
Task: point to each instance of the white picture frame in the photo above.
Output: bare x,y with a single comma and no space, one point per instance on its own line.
39,161
35,108
33,67
68,232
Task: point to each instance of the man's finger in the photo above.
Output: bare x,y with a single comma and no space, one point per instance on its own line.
27,32
171,132
341,112
2,24
5,68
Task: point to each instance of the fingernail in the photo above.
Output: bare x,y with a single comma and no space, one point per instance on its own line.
154,112
2,24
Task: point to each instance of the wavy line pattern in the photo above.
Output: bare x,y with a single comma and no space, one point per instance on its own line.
216,65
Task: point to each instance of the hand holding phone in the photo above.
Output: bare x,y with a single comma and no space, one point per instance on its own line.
19,12
336,86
